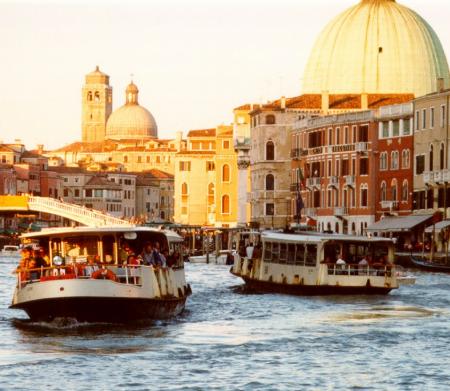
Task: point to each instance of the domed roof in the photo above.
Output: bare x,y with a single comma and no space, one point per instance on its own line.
131,121
377,46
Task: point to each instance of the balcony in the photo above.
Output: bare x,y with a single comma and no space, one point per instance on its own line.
296,153
428,176
438,176
391,205
350,180
341,211
334,181
313,182
310,212
362,146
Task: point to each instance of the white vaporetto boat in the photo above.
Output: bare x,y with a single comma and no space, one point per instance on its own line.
320,264
10,251
88,278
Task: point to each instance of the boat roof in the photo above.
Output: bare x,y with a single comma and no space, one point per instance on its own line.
313,237
63,231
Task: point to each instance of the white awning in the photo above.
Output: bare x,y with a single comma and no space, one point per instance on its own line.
438,226
398,224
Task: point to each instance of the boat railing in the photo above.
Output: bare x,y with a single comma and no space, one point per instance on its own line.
124,274
359,270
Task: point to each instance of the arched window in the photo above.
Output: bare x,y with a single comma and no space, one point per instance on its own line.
430,167
97,97
336,228
383,191
184,189
225,204
363,195
270,119
383,161
89,96
441,157
394,190
162,215
405,158
353,229
394,160
405,190
226,173
125,159
270,182
270,150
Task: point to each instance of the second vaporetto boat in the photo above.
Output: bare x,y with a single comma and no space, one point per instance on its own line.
306,264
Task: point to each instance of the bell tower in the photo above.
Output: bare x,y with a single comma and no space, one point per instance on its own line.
96,98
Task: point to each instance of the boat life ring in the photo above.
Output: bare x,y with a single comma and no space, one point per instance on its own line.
104,274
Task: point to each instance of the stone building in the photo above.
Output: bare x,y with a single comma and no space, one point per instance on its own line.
206,179
340,166
431,153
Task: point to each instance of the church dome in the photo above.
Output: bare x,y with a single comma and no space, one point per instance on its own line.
131,121
376,46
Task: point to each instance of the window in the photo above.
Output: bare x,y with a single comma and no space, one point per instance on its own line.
125,159
383,191
406,126
184,189
226,144
225,173
88,193
148,159
270,150
432,117
211,190
89,96
185,166
65,192
385,126
364,196
363,166
430,161
405,190
97,97
394,160
270,119
416,120
420,164
338,131
394,190
405,158
383,161
225,204
77,193
346,135
330,136
270,182
396,128
424,118
270,209
441,157
210,166
442,117
139,160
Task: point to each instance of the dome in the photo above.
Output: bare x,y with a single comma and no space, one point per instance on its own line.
377,46
131,121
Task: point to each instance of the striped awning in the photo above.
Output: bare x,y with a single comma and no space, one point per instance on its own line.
399,224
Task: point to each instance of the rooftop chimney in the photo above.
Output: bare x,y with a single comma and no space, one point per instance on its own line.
40,149
283,102
325,102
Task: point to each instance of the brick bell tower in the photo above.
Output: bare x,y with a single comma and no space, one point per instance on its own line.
96,98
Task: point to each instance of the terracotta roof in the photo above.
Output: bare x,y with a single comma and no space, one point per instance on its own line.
4,148
103,146
155,173
336,101
202,133
68,170
31,155
143,181
247,106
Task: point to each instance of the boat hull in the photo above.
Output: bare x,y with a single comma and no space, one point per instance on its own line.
430,266
312,290
102,309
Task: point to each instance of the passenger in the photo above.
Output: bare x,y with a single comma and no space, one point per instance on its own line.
146,254
363,265
91,266
45,257
33,274
341,264
249,250
40,262
133,262
156,255
21,269
74,251
164,256
257,252
125,251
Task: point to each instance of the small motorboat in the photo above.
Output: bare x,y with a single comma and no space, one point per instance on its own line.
428,265
225,258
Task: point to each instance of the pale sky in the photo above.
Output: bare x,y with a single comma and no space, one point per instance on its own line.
193,61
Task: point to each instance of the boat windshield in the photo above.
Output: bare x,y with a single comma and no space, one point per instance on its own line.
355,252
